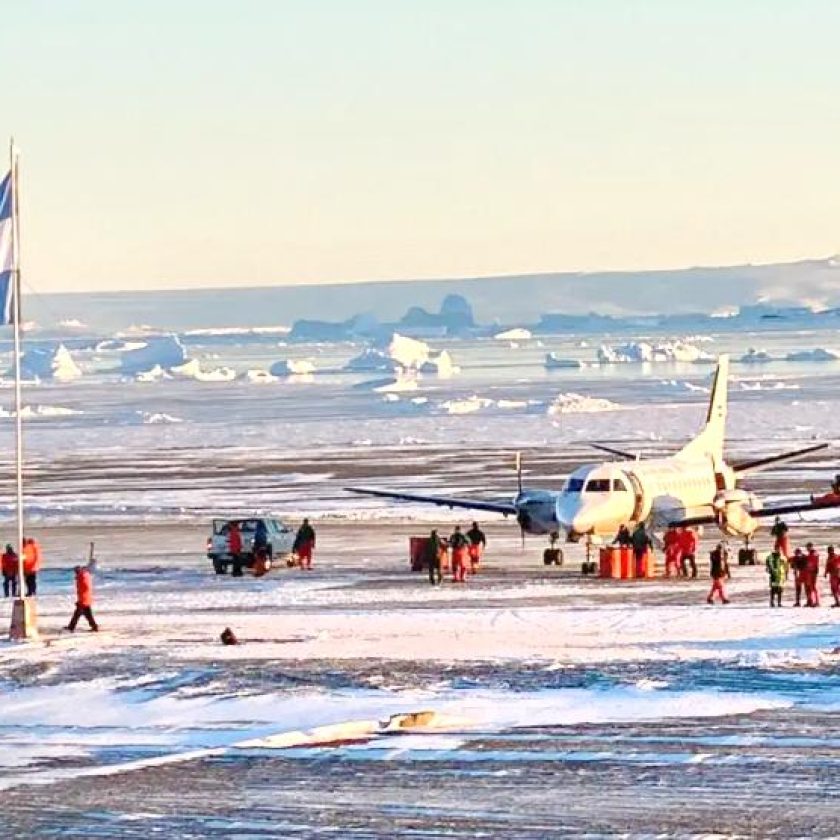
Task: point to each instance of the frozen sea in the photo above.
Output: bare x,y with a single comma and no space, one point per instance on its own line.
565,707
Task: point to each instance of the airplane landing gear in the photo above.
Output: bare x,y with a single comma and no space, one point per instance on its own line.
553,556
589,566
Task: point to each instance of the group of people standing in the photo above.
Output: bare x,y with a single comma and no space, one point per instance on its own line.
10,568
464,548
806,573
32,559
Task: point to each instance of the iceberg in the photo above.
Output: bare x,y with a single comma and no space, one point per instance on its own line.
755,357
642,351
47,363
154,374
571,403
165,351
38,412
401,353
441,364
291,367
818,354
555,362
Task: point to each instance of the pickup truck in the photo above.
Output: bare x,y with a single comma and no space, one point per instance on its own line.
280,538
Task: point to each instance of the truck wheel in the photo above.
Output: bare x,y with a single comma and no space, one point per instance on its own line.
219,567
558,558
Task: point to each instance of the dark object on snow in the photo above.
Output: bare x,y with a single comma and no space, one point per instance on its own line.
228,637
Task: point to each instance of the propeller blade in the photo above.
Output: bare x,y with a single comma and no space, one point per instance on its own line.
522,537
519,471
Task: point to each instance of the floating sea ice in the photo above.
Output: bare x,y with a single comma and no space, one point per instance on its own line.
555,362
193,370
467,405
398,352
516,334
157,418
37,412
571,403
46,363
259,377
642,351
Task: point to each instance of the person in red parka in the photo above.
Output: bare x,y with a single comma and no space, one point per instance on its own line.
84,599
235,548
812,576
673,551
832,572
688,544
9,565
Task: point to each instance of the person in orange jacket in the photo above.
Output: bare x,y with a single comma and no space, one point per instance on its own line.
673,551
812,576
688,545
459,544
832,572
84,599
9,566
31,565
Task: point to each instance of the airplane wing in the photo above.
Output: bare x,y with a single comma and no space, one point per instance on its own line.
507,508
826,503
760,463
619,453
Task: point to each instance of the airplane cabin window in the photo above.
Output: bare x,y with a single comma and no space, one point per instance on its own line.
618,484
575,485
598,485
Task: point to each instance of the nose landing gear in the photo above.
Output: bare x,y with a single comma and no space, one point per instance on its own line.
589,566
553,556
747,556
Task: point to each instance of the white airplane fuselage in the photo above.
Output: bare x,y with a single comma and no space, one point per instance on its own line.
598,498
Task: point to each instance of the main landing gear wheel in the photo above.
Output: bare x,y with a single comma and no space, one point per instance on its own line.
553,557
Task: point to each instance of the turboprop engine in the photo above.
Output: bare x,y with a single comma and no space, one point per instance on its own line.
536,511
732,509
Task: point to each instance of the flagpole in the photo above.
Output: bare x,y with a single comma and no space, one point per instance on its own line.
16,312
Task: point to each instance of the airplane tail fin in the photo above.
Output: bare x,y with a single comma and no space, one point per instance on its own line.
709,442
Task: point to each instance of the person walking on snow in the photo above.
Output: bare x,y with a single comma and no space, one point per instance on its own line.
718,571
777,570
9,565
812,576
433,558
84,599
688,545
478,542
458,543
832,572
235,548
304,545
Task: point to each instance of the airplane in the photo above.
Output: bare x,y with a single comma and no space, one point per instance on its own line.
695,486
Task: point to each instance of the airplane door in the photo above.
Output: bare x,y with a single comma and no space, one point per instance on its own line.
639,511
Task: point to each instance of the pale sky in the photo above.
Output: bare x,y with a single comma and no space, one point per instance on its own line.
189,143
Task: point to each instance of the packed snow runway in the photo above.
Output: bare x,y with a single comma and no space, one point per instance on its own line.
546,688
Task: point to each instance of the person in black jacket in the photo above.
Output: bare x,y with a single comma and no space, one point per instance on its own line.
718,571
433,545
304,544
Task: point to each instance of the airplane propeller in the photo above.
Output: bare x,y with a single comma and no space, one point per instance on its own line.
519,493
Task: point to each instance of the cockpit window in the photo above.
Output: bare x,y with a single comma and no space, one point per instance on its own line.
618,484
575,485
598,485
